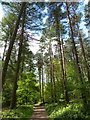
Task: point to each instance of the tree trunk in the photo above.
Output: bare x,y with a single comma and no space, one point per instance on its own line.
76,56
62,60
64,70
39,70
13,100
54,84
22,66
51,76
84,54
82,48
42,86
4,71
63,74
47,75
4,49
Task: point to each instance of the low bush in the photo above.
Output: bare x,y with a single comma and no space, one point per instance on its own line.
21,112
70,112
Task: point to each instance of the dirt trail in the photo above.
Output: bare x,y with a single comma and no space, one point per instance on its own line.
39,113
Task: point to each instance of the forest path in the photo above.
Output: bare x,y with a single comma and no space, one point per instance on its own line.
39,113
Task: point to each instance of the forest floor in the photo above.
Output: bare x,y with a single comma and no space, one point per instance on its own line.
39,113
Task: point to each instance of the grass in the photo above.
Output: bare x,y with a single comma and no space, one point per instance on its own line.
70,112
23,112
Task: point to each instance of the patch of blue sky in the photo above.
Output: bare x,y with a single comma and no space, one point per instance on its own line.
1,12
81,8
82,24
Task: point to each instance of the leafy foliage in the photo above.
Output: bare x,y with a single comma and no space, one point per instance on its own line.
28,89
69,112
21,112
57,74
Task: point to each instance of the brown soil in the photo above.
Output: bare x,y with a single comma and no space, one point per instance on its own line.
39,113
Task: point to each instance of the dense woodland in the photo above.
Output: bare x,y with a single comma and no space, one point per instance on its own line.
58,74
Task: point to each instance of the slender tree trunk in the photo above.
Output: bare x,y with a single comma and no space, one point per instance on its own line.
13,100
39,70
63,74
76,56
4,71
57,88
42,85
22,66
83,53
4,49
82,48
51,76
64,70
48,74
54,84
62,60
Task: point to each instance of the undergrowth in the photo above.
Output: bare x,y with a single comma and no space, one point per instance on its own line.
22,112
70,112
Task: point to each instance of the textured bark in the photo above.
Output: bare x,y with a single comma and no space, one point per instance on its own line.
64,70
62,58
63,74
42,86
76,56
47,75
13,100
4,71
22,66
54,84
39,70
82,47
51,75
83,53
4,49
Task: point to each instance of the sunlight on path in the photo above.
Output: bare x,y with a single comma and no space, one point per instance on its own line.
39,113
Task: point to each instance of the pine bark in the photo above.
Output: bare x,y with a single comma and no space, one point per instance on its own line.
83,53
82,47
13,100
62,58
51,75
63,74
76,56
39,70
54,83
42,85
64,70
4,71
4,49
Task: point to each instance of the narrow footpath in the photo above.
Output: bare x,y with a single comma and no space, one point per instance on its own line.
39,113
